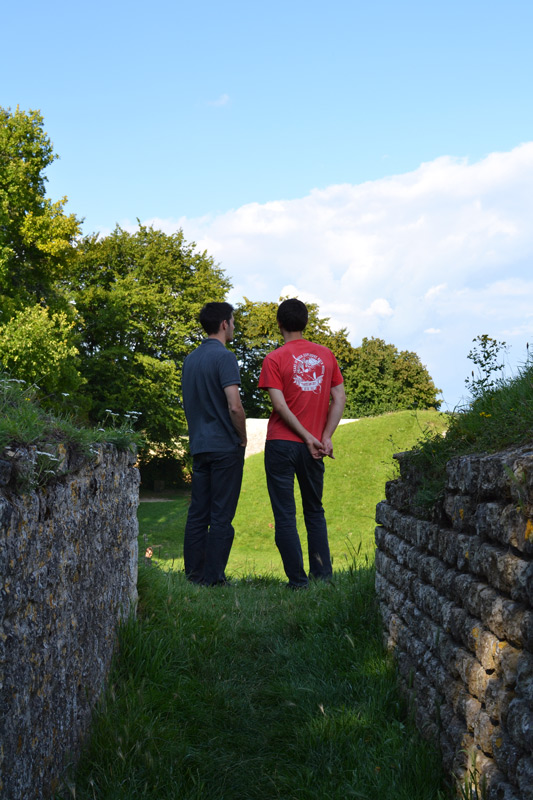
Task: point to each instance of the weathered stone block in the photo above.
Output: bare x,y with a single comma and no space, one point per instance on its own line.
524,676
5,471
460,510
498,697
484,730
520,723
524,777
398,494
506,523
506,754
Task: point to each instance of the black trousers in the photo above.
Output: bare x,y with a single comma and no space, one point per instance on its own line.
216,485
284,460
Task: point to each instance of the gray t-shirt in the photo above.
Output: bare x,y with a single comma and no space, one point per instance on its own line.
206,372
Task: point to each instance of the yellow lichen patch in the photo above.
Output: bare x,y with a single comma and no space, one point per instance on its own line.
529,530
475,633
462,513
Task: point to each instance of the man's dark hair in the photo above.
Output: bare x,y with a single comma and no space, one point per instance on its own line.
292,315
213,315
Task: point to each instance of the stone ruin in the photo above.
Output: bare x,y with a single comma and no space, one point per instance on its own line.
68,575
456,598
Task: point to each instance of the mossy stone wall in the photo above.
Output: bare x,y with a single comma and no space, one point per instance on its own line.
456,597
68,567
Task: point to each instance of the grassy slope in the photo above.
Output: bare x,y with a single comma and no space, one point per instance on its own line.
354,484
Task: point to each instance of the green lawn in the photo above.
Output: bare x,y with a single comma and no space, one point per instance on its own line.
354,484
252,692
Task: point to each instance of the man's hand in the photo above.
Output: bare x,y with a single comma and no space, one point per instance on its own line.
315,447
327,447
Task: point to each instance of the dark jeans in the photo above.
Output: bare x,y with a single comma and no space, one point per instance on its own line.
284,460
216,484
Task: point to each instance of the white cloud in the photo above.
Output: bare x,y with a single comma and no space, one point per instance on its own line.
379,308
446,248
434,291
223,100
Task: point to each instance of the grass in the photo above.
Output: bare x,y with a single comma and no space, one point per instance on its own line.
354,484
24,423
251,691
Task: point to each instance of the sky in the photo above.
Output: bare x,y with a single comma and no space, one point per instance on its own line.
374,158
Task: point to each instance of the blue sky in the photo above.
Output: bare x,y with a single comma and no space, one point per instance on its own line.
374,158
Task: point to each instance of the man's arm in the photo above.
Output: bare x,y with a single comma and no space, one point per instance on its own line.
236,412
280,406
336,407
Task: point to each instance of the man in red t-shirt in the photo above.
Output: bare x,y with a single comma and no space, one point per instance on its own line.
306,388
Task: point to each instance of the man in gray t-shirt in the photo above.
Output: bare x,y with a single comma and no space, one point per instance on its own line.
217,436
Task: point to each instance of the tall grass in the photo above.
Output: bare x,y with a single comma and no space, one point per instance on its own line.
250,691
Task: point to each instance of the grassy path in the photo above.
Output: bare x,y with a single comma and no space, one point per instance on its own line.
252,691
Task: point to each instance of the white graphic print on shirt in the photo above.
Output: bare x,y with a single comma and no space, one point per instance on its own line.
308,372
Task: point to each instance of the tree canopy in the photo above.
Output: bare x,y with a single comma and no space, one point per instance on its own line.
36,237
139,296
381,379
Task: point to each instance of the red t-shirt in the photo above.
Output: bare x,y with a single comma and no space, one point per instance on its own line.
305,373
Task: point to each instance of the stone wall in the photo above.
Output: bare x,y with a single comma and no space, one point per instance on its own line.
68,574
456,597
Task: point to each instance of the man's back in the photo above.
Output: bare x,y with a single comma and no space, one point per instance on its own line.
304,372
206,373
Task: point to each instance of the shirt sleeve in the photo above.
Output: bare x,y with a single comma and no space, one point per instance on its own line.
270,377
228,369
336,378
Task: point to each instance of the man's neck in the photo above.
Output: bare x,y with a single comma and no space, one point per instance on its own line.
291,336
220,337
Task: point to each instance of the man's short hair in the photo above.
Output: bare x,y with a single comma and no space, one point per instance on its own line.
292,315
213,315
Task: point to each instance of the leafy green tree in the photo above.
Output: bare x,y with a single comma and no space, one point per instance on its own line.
382,379
257,333
39,346
139,296
36,237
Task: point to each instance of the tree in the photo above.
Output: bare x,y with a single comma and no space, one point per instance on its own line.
139,296
257,333
36,237
382,379
39,347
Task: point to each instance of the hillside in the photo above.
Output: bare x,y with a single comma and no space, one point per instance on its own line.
354,484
